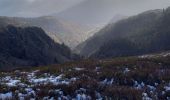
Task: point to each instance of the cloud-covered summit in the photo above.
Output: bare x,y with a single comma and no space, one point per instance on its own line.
95,10
101,11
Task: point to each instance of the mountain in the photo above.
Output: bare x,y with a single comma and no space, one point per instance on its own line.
62,31
89,12
81,47
29,46
147,32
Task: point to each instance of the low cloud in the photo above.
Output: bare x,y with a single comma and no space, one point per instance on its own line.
34,8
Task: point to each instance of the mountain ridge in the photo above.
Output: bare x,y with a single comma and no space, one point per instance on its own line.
30,46
62,31
139,34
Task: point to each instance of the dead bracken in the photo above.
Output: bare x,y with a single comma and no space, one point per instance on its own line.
129,78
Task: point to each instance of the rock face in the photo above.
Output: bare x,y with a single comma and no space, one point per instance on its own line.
145,33
29,46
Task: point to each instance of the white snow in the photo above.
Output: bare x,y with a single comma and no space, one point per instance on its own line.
9,81
30,91
167,88
152,88
13,82
98,96
79,69
126,70
139,85
78,97
104,81
166,54
82,97
6,96
145,96
51,79
33,80
97,68
107,81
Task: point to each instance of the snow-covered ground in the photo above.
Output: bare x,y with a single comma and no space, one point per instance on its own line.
32,81
141,80
163,54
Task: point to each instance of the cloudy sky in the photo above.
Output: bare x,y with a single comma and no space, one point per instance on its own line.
79,9
34,8
101,11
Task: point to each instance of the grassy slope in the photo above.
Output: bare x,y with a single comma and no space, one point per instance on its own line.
149,70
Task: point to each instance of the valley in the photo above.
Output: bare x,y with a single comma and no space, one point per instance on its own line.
60,30
85,50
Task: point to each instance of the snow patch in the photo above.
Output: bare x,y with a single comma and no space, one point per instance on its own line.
6,96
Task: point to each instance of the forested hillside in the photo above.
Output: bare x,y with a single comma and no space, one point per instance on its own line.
29,46
61,31
147,32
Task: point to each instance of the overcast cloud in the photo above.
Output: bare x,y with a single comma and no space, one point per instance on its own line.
102,11
34,8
